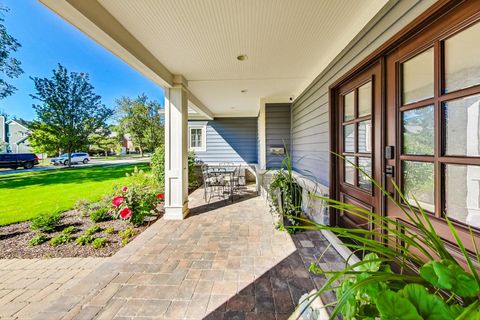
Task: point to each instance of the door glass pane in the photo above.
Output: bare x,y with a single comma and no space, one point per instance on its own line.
462,63
462,193
418,180
462,126
349,170
364,136
363,181
417,82
349,103
365,99
349,138
418,131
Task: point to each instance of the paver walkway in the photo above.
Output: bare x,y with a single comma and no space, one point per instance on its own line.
27,285
225,261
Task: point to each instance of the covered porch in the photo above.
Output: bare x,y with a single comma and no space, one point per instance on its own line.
225,261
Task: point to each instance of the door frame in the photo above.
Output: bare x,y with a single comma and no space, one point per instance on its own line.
434,13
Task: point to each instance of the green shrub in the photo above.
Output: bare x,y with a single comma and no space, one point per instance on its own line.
83,240
82,207
61,239
69,230
110,230
38,239
100,214
93,229
126,235
157,162
46,222
99,243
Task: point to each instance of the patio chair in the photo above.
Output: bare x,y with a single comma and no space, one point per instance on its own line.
213,182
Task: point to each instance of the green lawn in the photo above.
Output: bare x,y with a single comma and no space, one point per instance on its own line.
24,195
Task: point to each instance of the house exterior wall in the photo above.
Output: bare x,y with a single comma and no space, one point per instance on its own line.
277,128
310,127
229,140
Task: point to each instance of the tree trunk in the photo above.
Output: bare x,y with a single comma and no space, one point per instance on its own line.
69,158
141,152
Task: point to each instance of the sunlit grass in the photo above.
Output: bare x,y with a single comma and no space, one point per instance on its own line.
25,195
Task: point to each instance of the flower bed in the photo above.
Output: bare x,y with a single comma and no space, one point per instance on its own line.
92,229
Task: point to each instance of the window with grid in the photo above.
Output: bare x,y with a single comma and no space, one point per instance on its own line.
357,136
197,138
440,126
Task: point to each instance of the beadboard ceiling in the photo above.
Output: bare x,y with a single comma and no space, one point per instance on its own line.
288,43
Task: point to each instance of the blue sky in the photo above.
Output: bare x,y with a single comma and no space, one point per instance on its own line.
48,40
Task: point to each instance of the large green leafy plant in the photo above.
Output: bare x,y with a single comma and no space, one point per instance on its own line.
285,192
428,281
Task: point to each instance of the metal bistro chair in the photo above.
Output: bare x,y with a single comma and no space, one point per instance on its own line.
214,182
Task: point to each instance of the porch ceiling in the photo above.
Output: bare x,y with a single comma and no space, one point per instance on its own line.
287,43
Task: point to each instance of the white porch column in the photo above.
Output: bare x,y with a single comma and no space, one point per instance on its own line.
176,153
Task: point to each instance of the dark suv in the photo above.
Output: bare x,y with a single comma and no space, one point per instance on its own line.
15,160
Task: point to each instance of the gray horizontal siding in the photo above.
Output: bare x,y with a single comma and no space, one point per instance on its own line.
310,128
230,140
277,131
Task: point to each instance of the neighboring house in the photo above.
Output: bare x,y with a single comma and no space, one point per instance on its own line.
393,86
127,145
14,136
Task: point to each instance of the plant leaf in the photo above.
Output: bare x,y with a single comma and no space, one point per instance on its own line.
372,263
429,306
472,312
392,306
445,274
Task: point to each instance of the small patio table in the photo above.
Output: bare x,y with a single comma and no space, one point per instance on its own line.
230,170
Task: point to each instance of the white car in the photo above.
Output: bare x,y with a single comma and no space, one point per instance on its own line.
78,157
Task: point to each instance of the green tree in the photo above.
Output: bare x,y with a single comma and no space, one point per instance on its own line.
70,110
9,66
141,119
103,140
43,140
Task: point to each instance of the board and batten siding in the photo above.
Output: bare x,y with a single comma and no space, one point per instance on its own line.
310,127
229,140
277,131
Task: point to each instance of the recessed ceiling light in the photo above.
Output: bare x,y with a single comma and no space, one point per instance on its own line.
242,57
244,91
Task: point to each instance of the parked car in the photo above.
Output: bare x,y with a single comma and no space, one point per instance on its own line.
15,160
78,157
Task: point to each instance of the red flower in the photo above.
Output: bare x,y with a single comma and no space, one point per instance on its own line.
124,189
125,213
161,196
117,201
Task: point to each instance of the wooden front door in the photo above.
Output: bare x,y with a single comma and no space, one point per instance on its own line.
358,139
433,122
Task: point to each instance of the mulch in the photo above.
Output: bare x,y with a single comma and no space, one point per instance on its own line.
14,238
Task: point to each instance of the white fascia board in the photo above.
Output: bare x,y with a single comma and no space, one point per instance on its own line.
94,20
199,107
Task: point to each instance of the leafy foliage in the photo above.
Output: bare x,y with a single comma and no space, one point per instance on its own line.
140,118
100,214
285,185
38,239
99,243
110,230
9,66
103,141
69,230
60,239
84,240
46,222
158,168
70,111
137,201
430,282
93,229
126,235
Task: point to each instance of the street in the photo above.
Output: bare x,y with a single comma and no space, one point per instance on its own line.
93,162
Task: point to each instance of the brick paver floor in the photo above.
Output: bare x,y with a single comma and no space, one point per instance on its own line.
225,261
28,285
